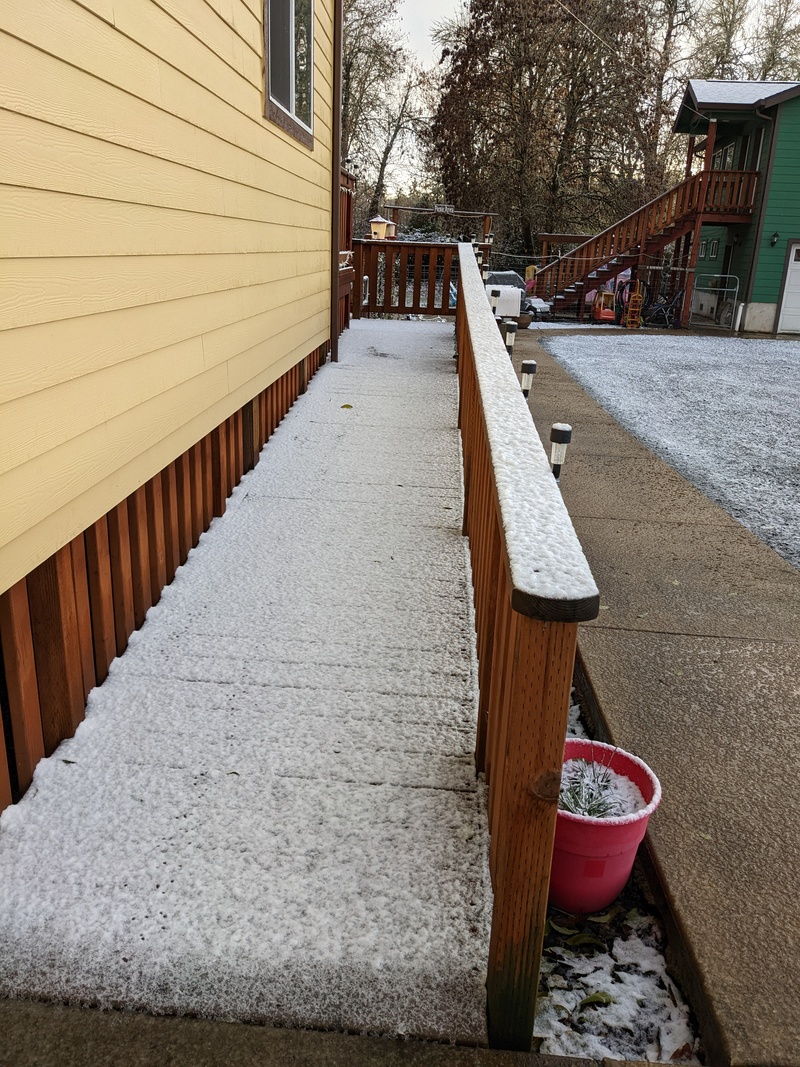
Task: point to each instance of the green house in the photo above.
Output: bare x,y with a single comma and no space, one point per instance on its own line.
752,267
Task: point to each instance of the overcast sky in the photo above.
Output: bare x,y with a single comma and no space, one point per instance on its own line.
418,16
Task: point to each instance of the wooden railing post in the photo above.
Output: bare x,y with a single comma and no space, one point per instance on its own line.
542,663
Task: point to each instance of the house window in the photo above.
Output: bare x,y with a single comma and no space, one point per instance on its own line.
723,158
701,252
289,31
713,249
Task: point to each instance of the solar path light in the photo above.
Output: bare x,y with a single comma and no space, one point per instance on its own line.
510,336
528,371
494,296
560,437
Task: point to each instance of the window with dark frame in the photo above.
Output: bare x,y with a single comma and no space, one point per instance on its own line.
289,53
701,252
713,249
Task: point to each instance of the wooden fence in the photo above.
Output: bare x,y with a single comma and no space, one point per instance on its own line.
405,278
63,623
532,586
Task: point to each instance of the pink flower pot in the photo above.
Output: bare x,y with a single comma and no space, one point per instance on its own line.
593,858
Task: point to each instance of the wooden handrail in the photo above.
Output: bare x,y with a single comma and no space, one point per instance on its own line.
706,193
532,586
405,277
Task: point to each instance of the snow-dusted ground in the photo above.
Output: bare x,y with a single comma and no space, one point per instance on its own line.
723,411
566,325
271,810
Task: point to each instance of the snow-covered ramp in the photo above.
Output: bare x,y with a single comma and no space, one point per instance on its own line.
270,812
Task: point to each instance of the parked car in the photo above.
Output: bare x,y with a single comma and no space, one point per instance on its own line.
529,305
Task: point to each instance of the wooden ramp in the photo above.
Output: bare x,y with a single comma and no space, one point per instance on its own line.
271,810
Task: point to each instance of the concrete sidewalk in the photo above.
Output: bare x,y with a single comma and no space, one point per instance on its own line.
693,664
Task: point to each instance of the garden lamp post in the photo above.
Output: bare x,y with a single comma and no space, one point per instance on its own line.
528,371
510,336
560,437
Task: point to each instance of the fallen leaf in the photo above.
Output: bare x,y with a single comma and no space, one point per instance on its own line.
347,405
585,940
682,1053
561,929
596,998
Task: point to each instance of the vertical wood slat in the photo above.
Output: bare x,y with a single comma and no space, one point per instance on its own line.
230,433
417,278
83,612
16,638
238,440
156,538
249,452
172,540
219,457
101,596
402,281
433,260
196,490
6,796
140,555
121,574
183,485
54,625
208,481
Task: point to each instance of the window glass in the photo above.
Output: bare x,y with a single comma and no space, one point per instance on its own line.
290,33
280,68
701,252
303,35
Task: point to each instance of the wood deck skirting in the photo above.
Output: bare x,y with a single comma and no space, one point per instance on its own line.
63,623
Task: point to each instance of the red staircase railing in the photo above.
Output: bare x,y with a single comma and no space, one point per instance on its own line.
710,193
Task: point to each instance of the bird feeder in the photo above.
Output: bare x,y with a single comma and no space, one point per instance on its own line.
378,228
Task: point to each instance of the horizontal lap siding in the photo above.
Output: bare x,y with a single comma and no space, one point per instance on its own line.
166,249
782,215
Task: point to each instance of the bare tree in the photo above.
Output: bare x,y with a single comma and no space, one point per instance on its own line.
775,42
720,39
372,60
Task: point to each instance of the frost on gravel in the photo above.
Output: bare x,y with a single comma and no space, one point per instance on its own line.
619,1004
270,811
723,411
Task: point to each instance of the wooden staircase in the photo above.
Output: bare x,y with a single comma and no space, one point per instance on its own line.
718,196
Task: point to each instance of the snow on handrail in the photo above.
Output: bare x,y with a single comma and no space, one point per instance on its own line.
550,576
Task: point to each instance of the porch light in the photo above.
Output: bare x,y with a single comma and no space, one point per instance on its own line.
560,436
774,239
378,227
494,296
528,371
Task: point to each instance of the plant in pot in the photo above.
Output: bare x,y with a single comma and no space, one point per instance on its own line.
607,797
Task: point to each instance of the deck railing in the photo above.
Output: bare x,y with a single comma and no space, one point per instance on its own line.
532,586
403,277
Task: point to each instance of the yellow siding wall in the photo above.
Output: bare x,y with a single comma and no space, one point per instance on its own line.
165,249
